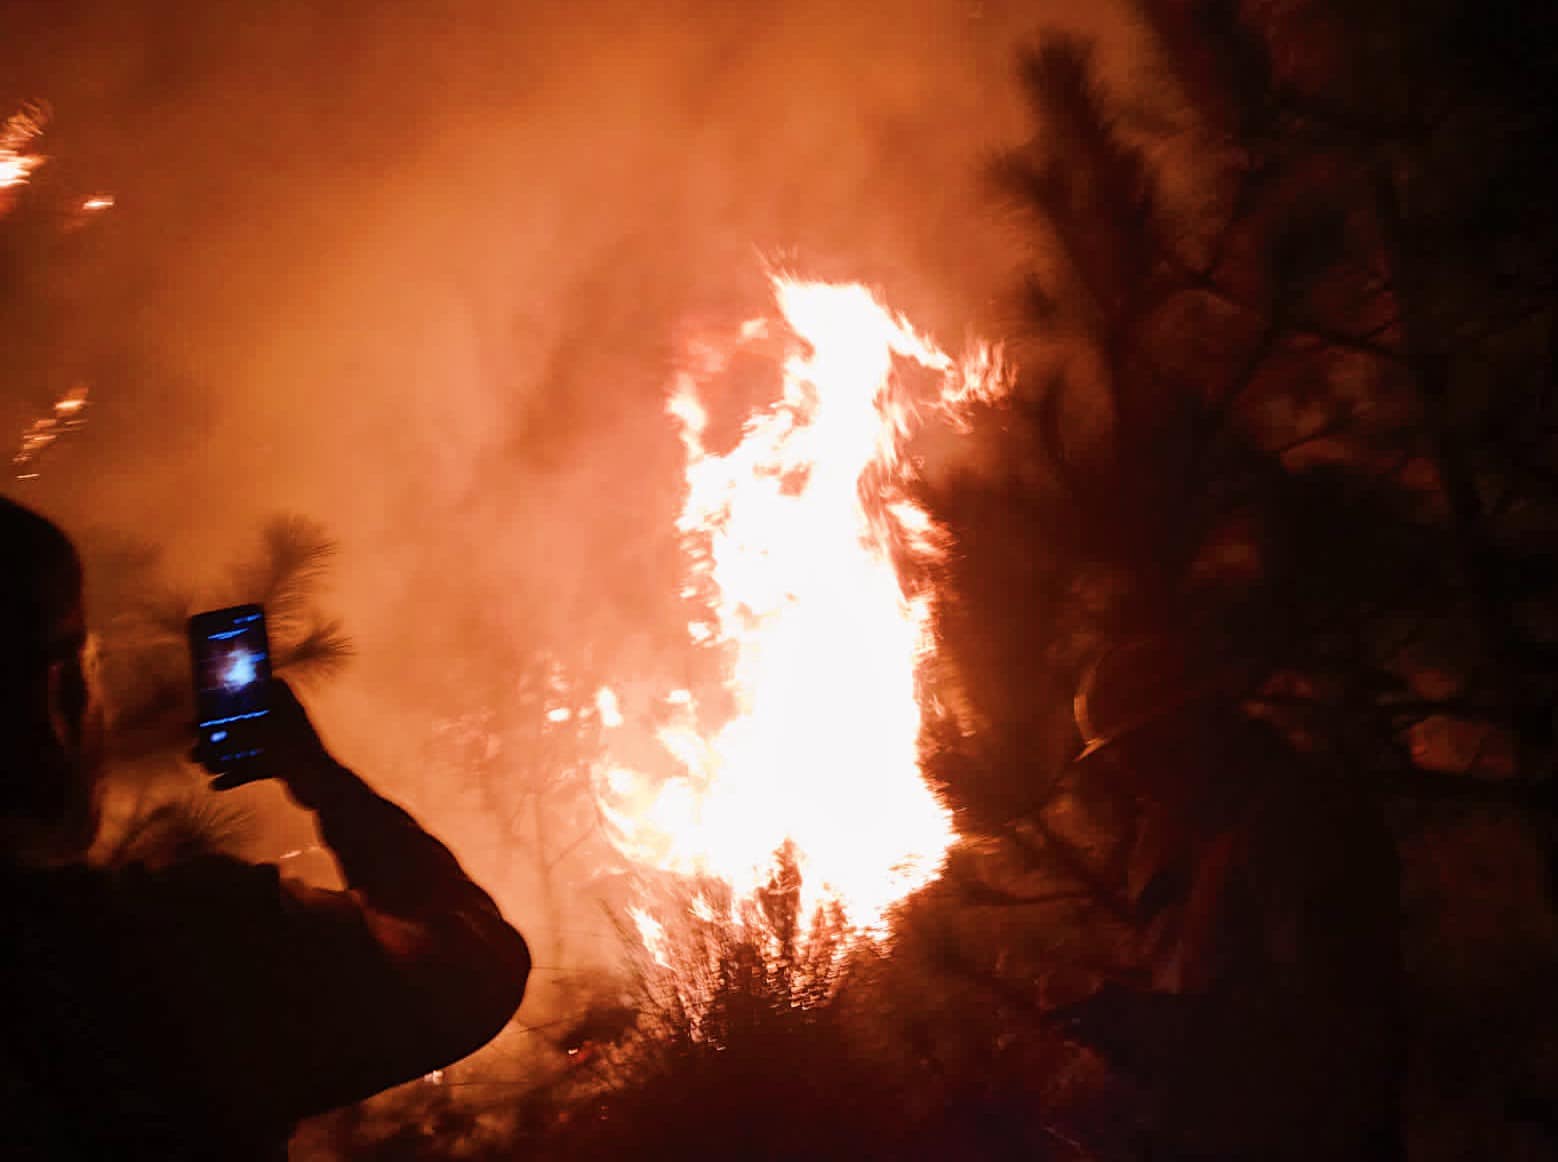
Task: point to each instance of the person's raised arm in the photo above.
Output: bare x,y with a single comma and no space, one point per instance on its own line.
409,969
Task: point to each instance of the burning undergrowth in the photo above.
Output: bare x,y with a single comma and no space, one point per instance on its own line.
798,762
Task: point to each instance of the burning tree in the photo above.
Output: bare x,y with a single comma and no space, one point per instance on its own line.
795,523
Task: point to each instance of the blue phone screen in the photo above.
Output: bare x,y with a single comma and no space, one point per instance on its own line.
231,655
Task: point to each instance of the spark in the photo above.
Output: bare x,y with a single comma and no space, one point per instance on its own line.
17,134
67,414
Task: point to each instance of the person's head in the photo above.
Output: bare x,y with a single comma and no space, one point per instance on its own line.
51,730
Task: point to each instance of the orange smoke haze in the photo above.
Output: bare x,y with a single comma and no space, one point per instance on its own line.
423,272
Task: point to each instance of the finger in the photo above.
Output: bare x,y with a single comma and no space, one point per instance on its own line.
200,754
288,717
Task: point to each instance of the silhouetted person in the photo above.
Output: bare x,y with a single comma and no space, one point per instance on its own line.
200,1010
1263,1018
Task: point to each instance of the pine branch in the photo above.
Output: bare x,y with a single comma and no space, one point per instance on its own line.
1220,62
1203,282
321,651
1052,440
182,829
1100,201
1073,864
1215,418
982,895
295,554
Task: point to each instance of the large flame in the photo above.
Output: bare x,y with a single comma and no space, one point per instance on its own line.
789,537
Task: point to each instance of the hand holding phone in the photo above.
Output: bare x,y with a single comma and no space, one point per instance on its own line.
292,753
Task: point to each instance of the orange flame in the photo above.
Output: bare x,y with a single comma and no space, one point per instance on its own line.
17,133
789,535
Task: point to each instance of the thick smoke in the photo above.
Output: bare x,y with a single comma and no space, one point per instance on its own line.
420,271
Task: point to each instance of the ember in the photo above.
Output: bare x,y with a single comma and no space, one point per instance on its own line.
65,416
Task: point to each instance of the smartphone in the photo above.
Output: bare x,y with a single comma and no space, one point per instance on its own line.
230,652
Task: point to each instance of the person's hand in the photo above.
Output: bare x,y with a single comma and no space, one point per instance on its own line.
293,752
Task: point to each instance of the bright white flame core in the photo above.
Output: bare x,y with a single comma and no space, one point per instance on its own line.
824,646
652,933
240,670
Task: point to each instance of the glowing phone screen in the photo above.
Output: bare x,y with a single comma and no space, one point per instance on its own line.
231,655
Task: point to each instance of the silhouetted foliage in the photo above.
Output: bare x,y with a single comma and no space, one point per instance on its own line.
179,829
294,557
141,622
1224,420
1286,387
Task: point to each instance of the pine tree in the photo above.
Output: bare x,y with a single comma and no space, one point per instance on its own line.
1274,388
1287,369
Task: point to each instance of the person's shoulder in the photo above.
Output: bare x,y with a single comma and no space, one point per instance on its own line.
207,868
53,891
215,884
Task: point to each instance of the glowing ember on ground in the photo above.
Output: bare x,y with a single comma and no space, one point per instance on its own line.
788,535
